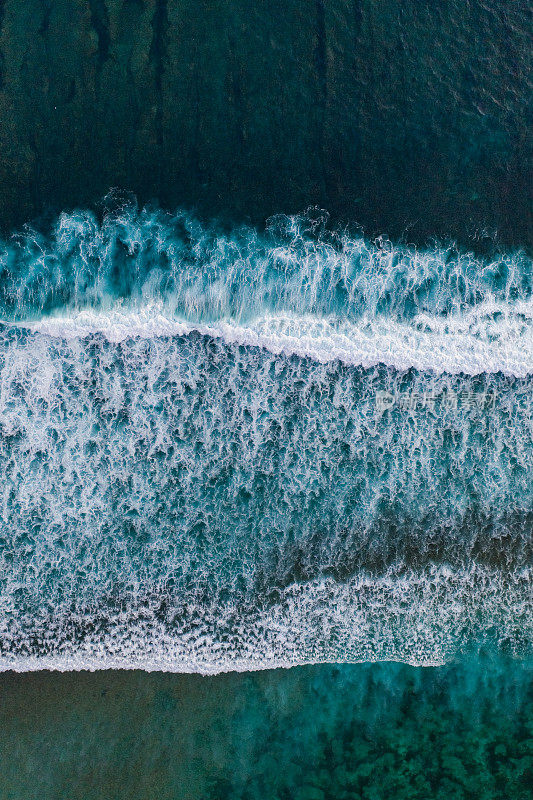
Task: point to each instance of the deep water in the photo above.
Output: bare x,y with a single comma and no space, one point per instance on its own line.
411,118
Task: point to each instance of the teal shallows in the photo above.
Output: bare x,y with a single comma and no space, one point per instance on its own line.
361,732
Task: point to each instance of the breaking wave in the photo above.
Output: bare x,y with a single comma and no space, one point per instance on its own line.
241,450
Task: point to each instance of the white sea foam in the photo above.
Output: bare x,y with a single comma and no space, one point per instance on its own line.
203,274
197,475
489,338
417,618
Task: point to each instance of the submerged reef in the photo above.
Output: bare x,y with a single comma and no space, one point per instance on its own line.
360,732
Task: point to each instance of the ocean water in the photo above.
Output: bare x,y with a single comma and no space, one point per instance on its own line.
266,493
228,450
345,732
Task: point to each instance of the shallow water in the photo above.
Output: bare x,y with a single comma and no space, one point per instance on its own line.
311,733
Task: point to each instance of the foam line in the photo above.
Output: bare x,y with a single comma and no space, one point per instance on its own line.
422,619
489,339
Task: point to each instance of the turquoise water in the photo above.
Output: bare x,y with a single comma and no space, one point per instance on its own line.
348,732
240,450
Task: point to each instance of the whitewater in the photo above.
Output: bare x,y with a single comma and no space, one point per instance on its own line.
228,450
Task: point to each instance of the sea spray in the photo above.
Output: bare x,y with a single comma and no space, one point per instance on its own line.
232,451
